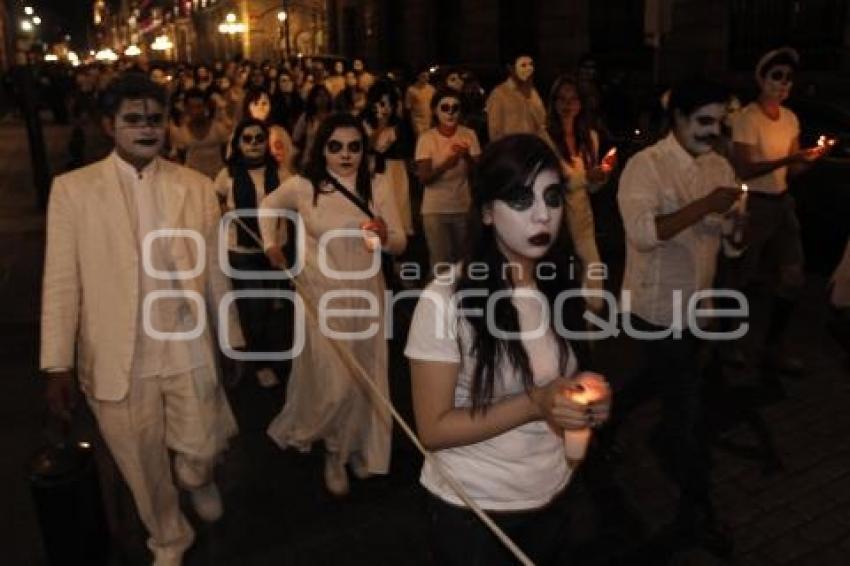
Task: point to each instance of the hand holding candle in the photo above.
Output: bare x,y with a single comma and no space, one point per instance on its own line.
374,233
591,392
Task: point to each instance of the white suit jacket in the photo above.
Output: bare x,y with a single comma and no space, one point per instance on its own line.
90,303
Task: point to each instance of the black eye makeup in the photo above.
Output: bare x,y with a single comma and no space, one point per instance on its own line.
258,138
522,198
335,146
450,108
780,75
136,120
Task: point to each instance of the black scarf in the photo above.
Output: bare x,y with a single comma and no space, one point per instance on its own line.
245,196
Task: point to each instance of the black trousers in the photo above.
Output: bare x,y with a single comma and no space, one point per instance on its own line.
458,537
674,364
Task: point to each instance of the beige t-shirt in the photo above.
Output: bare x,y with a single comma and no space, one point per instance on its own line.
772,140
448,194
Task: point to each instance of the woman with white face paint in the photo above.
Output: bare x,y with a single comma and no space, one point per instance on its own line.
493,409
417,101
445,155
250,175
341,272
766,150
389,146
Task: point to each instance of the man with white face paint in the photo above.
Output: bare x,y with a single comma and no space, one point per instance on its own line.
673,197
147,367
515,107
766,150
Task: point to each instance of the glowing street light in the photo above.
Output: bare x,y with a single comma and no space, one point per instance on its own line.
26,26
106,55
133,51
281,16
161,43
231,26
36,20
28,10
231,18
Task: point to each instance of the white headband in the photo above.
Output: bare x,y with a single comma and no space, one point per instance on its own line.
770,55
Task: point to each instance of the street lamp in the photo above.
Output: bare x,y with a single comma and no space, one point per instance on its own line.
36,20
26,26
28,10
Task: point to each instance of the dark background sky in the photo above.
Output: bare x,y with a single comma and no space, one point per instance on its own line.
61,17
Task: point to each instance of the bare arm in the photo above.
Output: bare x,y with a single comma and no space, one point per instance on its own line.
719,200
427,172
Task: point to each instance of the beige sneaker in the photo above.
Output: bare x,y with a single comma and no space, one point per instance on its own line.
336,478
207,502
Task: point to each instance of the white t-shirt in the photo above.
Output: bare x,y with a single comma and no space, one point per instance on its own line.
448,194
523,468
772,140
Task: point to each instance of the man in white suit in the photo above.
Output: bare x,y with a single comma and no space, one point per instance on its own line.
125,303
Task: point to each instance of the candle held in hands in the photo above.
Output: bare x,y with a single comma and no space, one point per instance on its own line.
590,388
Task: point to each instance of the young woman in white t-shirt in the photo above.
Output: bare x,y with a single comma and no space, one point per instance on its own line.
493,408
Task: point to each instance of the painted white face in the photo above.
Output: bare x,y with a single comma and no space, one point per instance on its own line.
343,152
260,108
448,111
528,223
252,143
777,82
285,83
383,109
139,130
699,132
358,66
338,68
524,68
454,81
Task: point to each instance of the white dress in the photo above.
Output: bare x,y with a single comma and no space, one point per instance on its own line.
325,400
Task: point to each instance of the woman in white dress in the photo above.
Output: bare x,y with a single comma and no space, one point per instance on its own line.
325,399
388,145
201,139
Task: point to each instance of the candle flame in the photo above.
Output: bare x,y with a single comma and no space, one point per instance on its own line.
744,187
611,153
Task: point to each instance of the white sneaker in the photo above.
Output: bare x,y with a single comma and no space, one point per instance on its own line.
207,502
266,378
336,478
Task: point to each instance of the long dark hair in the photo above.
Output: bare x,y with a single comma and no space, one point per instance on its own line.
311,108
581,128
253,96
317,167
509,164
244,192
376,92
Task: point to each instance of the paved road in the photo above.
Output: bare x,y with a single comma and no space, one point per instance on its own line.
782,466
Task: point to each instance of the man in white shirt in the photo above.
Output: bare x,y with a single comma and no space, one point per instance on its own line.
672,197
127,307
515,107
766,151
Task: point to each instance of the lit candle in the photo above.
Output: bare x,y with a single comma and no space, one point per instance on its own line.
738,234
370,238
821,141
610,159
590,388
745,192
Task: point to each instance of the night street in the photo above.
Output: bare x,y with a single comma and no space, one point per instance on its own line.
782,471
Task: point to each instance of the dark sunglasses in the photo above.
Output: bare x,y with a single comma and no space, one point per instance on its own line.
136,120
450,108
258,138
780,75
335,146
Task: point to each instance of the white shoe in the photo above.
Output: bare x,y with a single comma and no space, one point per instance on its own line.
359,467
336,478
267,378
207,502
